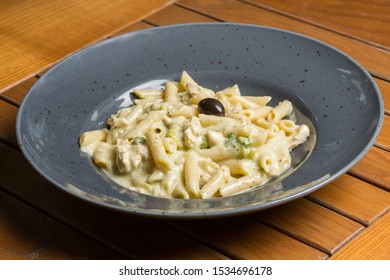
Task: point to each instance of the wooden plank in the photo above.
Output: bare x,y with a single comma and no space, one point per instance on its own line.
36,34
134,237
19,91
129,28
354,18
312,224
243,238
132,27
371,244
374,167
174,15
7,124
384,87
163,17
374,59
383,139
353,198
28,234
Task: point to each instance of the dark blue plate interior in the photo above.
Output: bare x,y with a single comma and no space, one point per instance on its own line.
335,95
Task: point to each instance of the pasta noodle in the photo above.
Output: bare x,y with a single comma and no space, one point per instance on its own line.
167,145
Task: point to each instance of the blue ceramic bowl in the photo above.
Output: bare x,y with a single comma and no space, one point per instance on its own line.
331,93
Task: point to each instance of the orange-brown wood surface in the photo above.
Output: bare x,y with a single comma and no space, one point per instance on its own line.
36,34
374,59
384,87
372,244
346,219
383,139
354,198
246,239
380,175
367,20
314,224
17,93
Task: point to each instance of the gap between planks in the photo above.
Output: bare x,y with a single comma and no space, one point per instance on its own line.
49,216
292,16
251,16
146,21
157,25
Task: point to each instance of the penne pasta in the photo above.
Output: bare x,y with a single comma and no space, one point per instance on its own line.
259,100
160,157
92,136
171,93
242,167
282,110
164,146
186,80
212,186
245,103
209,120
220,152
149,93
170,145
143,126
191,173
104,155
183,111
239,185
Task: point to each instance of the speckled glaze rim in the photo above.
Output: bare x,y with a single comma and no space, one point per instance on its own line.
237,208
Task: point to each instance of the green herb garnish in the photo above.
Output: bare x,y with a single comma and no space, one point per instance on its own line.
204,144
139,140
237,142
246,142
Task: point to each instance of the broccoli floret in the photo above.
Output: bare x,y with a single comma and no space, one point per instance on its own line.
139,140
237,142
246,142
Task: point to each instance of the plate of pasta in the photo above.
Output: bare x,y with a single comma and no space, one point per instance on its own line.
199,120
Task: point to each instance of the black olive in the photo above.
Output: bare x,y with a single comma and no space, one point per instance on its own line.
211,106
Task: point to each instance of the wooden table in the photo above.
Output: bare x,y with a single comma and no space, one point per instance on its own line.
347,219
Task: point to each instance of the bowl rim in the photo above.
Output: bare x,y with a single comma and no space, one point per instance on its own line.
243,209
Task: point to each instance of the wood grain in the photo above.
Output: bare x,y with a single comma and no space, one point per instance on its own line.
374,167
353,198
132,27
313,224
7,124
243,238
311,228
374,59
383,139
384,87
367,20
36,34
28,234
174,14
19,91
133,237
371,244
